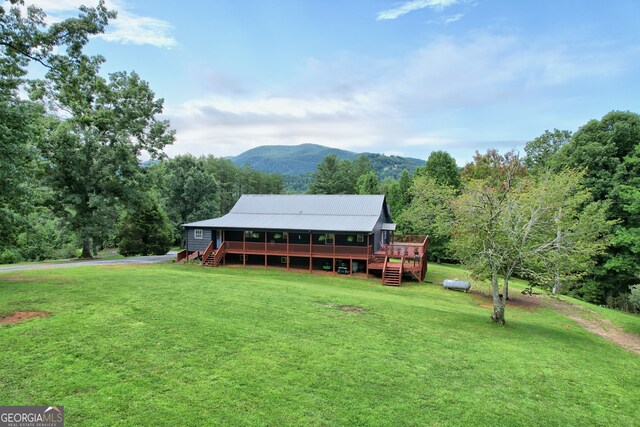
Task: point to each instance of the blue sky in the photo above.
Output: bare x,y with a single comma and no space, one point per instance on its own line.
397,77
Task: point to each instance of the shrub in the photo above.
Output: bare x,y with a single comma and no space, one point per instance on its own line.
10,256
145,230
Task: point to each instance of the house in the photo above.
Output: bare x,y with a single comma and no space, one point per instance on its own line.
343,234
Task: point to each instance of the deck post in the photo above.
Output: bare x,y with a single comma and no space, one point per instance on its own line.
369,255
244,249
224,256
310,252
266,234
287,250
334,254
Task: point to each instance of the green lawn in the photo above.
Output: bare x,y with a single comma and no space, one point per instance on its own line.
184,345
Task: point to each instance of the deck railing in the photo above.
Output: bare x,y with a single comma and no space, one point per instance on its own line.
293,249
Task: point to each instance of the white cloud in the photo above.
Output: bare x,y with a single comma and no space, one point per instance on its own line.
410,6
412,105
128,28
453,18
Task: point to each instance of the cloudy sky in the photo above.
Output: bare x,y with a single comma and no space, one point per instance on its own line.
397,77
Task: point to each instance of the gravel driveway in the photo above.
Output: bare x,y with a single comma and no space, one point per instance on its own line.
152,259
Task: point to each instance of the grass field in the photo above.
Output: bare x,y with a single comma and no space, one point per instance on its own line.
183,345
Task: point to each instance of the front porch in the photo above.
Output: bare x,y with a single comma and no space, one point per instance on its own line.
404,255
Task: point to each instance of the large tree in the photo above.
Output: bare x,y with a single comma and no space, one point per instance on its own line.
556,230
25,40
94,154
188,190
430,212
332,176
540,150
442,168
607,150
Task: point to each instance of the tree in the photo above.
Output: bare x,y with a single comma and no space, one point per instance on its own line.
25,40
145,229
332,176
360,166
493,167
607,150
368,184
541,149
544,226
478,239
634,297
443,169
430,212
557,230
189,192
93,155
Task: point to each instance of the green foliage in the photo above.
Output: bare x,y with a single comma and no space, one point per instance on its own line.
333,176
397,193
189,192
430,212
442,168
566,230
10,256
608,151
145,230
634,297
540,150
494,168
368,184
195,188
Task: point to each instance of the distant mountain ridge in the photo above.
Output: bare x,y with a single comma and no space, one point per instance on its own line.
302,159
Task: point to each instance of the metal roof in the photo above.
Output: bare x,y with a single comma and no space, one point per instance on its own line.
356,213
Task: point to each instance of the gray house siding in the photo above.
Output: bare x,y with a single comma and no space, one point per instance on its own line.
377,230
194,244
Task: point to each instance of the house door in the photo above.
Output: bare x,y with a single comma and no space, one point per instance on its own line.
218,238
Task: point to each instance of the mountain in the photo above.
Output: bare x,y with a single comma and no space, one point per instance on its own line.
295,160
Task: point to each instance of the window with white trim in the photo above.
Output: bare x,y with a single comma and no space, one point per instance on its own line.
197,233
360,238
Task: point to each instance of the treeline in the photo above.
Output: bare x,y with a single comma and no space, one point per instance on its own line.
387,169
566,215
195,188
71,141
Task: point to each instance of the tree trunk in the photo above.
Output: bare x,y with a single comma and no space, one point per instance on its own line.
556,277
556,284
86,248
506,289
498,301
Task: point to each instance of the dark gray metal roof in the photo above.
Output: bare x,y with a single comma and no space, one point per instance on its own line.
356,213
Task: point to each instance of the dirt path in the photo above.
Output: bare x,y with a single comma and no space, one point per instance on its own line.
586,318
593,322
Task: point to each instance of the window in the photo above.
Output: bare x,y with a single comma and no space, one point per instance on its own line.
283,260
197,233
328,239
360,238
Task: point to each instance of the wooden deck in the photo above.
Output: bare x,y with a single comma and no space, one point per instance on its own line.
406,255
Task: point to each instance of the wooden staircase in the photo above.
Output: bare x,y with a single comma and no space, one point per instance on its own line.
213,257
392,273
